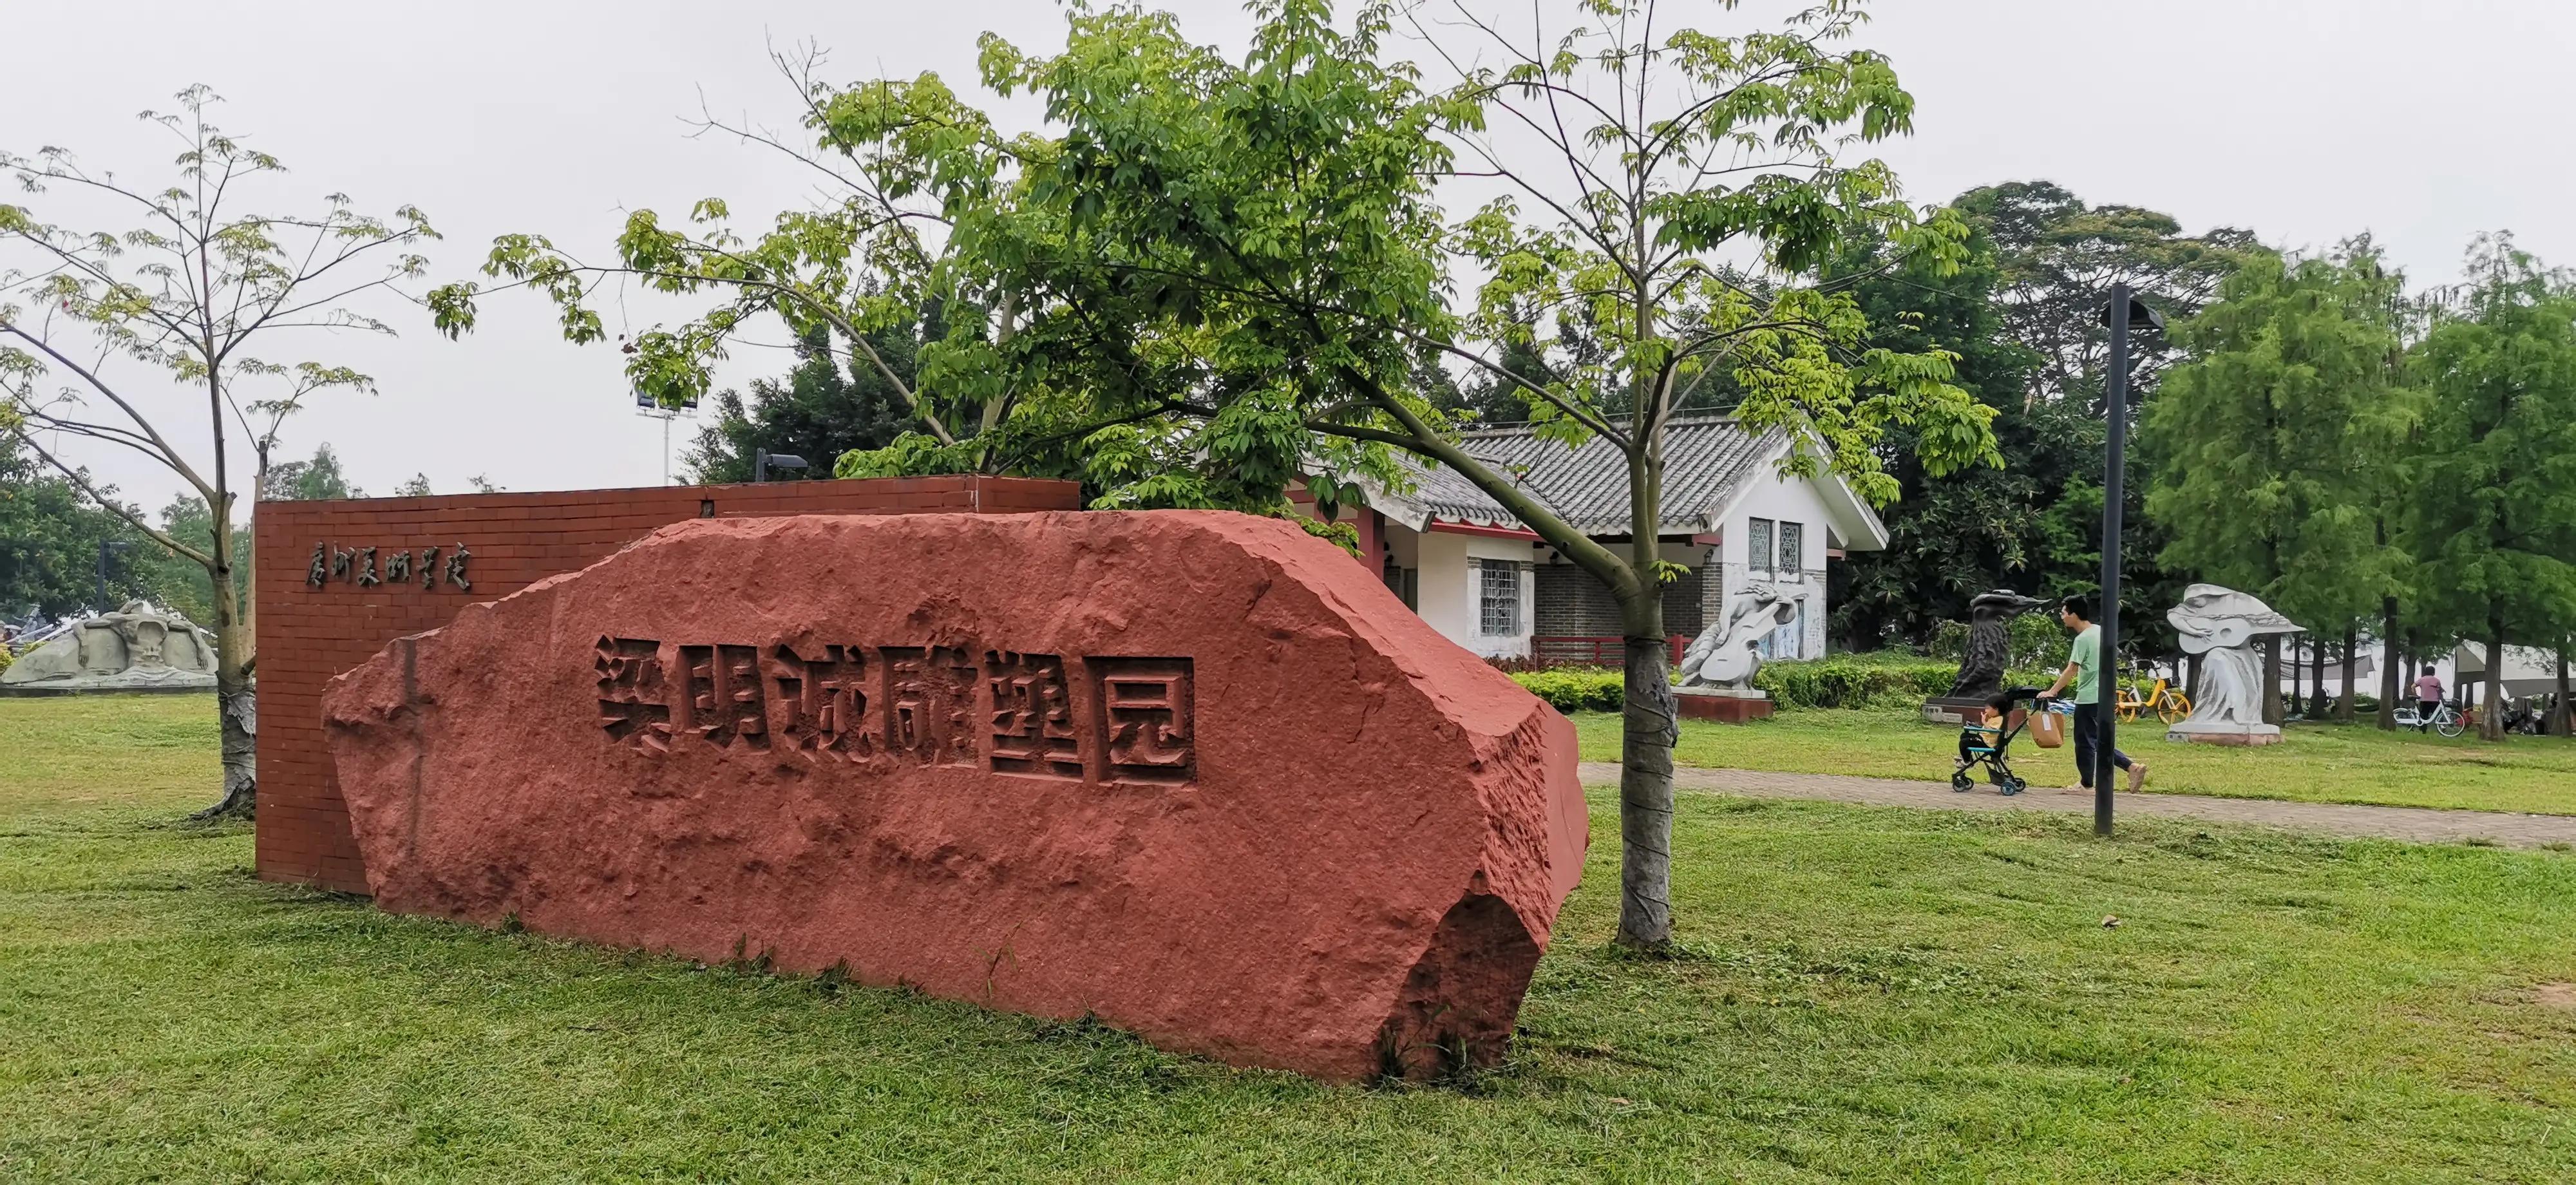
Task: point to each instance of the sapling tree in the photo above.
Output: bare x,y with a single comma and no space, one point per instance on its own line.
97,328
1211,277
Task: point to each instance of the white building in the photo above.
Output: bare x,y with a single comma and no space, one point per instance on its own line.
1728,517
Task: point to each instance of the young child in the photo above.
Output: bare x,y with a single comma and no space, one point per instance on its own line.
1980,728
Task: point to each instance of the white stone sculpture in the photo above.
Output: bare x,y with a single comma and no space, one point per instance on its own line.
136,648
1725,655
2222,625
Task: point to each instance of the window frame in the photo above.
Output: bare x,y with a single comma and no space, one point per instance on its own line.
1507,597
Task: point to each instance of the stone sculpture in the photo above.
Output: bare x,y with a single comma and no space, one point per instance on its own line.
1727,653
1983,662
2222,625
1194,773
136,648
1989,649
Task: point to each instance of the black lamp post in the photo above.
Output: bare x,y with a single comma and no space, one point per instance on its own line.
2124,308
763,460
105,546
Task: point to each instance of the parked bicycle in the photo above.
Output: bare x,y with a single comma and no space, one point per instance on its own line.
2165,700
2447,720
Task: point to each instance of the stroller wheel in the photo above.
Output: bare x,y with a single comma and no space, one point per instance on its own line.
1960,782
2012,786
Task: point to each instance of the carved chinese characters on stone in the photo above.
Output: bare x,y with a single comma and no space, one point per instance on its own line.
930,704
633,704
723,697
456,569
1016,713
367,568
320,572
398,567
1145,719
826,701
1033,729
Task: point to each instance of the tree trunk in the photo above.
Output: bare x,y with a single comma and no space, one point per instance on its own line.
1646,795
2491,721
2390,663
2317,677
236,697
2562,715
2345,709
2272,679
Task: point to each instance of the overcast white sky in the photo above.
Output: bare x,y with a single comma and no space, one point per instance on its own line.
2424,121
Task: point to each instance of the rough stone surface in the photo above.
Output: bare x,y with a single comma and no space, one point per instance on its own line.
1195,773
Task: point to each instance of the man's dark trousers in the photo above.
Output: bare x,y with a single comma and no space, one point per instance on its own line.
2088,725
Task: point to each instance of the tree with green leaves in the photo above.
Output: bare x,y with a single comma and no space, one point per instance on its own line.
1967,531
50,532
309,481
2272,442
2492,514
96,326
2058,256
1217,277
821,409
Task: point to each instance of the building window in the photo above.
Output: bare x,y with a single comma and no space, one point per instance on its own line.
1757,546
1793,549
1498,600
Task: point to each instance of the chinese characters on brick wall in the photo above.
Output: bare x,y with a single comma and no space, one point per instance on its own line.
1005,711
357,566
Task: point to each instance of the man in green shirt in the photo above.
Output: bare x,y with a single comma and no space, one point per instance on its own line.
2084,670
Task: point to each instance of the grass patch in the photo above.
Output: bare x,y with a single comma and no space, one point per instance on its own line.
1863,994
2314,763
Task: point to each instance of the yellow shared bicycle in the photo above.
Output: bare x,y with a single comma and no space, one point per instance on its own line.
2167,702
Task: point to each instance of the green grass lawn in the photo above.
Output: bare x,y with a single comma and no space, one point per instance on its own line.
2313,763
1867,993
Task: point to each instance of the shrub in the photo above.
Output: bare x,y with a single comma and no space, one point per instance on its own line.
1855,680
1874,679
1576,689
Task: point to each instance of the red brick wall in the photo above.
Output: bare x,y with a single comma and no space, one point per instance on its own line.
307,634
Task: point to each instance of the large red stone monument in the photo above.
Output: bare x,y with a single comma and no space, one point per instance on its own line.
1195,773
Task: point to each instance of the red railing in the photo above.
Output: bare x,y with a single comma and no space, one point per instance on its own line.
1561,650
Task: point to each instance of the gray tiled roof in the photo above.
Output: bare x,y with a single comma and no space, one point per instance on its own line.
1705,460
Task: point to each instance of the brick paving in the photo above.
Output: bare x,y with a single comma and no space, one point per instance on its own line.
2415,824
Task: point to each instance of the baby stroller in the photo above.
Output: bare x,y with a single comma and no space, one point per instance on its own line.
1990,745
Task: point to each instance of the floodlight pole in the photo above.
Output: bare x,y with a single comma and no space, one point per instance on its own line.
105,546
2114,470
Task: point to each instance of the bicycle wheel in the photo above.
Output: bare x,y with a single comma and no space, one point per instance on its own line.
2129,711
2173,707
2448,723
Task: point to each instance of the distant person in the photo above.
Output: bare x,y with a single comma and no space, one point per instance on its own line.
2428,696
2084,670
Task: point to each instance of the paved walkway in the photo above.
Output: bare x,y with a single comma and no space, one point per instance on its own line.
2391,822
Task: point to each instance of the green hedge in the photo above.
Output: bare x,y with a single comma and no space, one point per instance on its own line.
1576,689
1855,680
1877,679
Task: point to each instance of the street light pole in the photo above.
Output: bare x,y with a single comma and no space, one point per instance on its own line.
105,546
2114,470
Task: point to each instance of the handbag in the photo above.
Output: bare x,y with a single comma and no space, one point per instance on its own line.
2048,728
